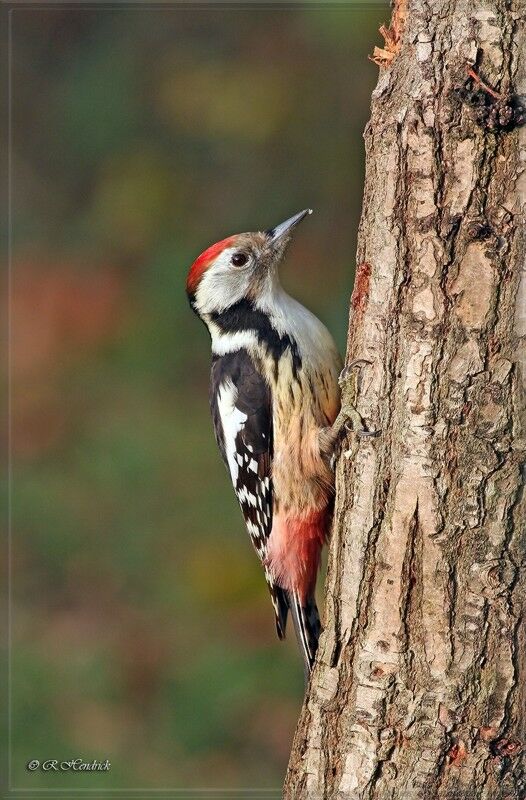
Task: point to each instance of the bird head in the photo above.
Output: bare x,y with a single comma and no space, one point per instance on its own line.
238,267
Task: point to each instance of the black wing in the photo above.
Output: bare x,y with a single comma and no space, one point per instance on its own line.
242,414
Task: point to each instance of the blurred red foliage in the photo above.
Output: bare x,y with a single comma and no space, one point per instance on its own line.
56,307
58,312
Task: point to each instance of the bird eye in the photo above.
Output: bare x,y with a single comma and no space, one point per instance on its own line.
239,259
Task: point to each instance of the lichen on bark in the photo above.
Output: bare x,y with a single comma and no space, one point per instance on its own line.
420,684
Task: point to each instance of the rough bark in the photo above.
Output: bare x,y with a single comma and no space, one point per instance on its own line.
420,683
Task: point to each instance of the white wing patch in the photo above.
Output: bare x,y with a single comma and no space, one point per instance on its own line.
242,414
233,421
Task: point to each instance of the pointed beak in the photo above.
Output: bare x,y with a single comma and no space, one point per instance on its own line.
284,227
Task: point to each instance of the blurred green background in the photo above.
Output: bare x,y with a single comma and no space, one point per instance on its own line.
142,629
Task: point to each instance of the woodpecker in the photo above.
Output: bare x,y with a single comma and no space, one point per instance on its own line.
275,403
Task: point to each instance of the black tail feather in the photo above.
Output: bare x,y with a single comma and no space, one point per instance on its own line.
305,618
307,627
281,607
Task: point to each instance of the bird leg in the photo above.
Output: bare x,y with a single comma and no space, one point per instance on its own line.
349,419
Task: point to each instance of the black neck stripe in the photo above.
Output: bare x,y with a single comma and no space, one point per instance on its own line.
244,316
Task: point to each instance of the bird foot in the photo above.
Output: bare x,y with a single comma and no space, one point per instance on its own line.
349,420
353,372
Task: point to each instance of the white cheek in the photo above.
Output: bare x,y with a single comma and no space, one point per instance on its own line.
222,285
217,292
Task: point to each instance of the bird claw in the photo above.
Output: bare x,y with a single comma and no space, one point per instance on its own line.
362,433
349,368
354,422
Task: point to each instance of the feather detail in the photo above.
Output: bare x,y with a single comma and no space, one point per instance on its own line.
293,551
203,261
242,416
306,621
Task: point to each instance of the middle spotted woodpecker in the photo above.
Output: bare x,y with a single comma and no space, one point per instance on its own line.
275,399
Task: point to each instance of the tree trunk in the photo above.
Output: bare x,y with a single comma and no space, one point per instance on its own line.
420,684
